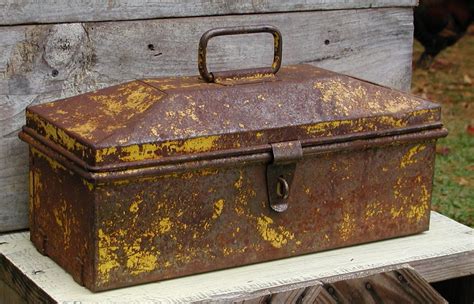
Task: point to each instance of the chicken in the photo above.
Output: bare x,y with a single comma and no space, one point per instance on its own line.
439,24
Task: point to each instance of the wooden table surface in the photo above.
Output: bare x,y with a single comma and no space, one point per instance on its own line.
445,251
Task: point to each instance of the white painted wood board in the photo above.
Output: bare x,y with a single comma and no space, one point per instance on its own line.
374,44
51,11
445,251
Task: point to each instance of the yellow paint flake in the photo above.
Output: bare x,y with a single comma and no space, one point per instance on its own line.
108,259
218,207
165,225
56,135
136,153
392,121
346,228
141,262
52,163
88,184
64,222
239,182
326,126
134,206
419,211
245,78
372,209
99,156
149,151
195,145
277,237
396,212
408,159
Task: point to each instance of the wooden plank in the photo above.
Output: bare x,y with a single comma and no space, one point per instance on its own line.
40,63
403,285
26,289
13,184
9,295
50,11
444,240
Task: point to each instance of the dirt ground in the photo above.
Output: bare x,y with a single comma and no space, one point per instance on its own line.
450,81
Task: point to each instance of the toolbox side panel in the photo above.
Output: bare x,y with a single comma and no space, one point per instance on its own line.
161,227
61,216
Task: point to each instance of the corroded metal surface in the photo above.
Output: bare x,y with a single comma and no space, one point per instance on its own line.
157,227
160,178
158,118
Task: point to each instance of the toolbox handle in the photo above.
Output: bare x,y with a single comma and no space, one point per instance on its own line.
251,29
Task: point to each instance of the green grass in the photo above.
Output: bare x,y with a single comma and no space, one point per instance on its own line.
450,81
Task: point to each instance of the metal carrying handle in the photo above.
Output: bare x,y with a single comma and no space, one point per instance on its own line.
277,45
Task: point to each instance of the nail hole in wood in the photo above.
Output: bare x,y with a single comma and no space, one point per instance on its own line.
326,42
151,47
54,73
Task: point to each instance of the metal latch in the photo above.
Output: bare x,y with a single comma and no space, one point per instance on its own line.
280,173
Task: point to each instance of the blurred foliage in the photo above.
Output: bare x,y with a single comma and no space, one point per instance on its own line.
450,81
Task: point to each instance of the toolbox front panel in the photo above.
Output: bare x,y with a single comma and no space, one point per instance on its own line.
154,228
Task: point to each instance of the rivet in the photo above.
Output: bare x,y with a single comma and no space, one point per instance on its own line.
54,73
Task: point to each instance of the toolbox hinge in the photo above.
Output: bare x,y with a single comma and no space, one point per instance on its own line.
280,173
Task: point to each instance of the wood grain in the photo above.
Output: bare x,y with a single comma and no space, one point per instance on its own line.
50,11
396,286
40,63
444,240
26,289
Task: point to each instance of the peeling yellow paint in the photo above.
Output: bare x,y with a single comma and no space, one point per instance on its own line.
58,136
396,212
165,225
346,228
52,163
150,151
239,182
419,211
108,259
218,207
99,156
89,185
372,209
408,159
142,262
138,260
326,126
85,129
64,222
37,189
277,237
134,205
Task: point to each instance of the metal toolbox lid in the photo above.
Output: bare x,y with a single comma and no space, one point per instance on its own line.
155,120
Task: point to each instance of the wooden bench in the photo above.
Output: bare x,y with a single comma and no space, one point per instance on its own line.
444,252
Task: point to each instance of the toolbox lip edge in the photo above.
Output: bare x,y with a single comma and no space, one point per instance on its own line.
227,157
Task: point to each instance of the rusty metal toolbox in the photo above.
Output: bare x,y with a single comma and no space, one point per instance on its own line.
160,178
